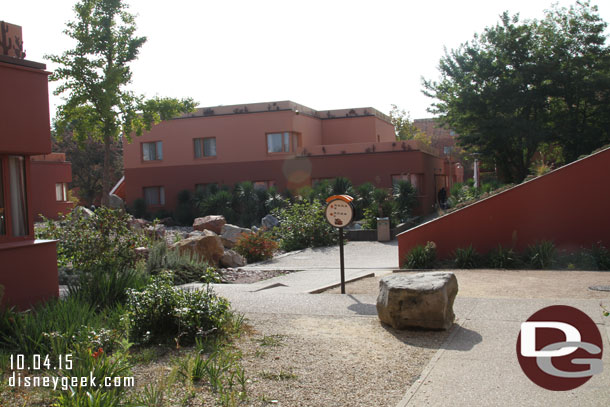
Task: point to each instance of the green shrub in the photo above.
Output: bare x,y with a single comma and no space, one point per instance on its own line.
102,242
466,258
55,327
503,258
601,256
184,214
540,254
161,312
256,246
186,267
421,257
138,210
100,364
303,225
107,288
405,196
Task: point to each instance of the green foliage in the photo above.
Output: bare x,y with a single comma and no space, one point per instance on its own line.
106,288
405,196
101,242
256,246
186,267
55,327
363,199
540,254
521,86
94,75
302,225
404,127
466,258
601,255
163,313
503,258
421,257
341,186
184,213
99,364
139,209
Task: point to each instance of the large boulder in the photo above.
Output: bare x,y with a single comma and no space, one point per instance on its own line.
231,233
211,222
115,202
138,224
269,222
207,246
232,259
423,300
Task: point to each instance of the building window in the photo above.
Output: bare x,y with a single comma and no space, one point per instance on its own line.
278,142
205,147
417,180
152,151
154,195
17,195
263,184
61,194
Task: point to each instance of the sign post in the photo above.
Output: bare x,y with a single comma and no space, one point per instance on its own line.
340,213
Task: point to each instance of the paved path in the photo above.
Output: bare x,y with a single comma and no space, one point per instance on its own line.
476,366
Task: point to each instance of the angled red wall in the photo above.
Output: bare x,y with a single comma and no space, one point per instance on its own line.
45,174
568,206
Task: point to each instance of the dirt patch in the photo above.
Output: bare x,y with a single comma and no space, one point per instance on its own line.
511,284
296,360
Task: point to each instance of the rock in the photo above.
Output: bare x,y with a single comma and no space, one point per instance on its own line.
423,300
269,222
232,259
195,233
211,222
207,246
230,234
157,231
115,202
142,252
81,211
138,224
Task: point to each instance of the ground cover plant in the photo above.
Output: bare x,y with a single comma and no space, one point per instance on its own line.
541,255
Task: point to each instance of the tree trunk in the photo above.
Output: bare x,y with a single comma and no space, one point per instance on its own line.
106,172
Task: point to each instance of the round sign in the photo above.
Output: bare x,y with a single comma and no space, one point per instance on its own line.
339,213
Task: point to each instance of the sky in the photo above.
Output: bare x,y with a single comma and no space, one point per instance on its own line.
330,54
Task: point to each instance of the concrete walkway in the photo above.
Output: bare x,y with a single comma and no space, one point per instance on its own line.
476,366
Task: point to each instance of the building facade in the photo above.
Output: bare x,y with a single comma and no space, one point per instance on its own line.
28,267
51,176
280,144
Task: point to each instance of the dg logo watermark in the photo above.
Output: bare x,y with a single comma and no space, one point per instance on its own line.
560,348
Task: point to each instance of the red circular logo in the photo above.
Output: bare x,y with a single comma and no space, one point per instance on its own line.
559,348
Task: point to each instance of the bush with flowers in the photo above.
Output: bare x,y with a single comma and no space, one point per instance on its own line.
256,246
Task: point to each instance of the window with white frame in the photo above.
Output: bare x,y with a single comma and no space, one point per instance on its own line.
152,151
17,195
205,147
61,191
154,195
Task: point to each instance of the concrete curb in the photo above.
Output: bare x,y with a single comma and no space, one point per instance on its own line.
329,286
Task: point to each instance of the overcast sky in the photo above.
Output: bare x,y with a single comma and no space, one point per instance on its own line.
330,54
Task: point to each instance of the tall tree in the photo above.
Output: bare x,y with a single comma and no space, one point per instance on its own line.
514,88
94,75
404,127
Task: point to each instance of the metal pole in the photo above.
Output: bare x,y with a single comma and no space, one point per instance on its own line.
342,263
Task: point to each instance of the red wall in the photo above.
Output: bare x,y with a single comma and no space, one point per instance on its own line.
45,174
28,272
290,173
568,206
24,106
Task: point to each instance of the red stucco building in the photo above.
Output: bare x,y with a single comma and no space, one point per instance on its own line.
28,267
277,143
